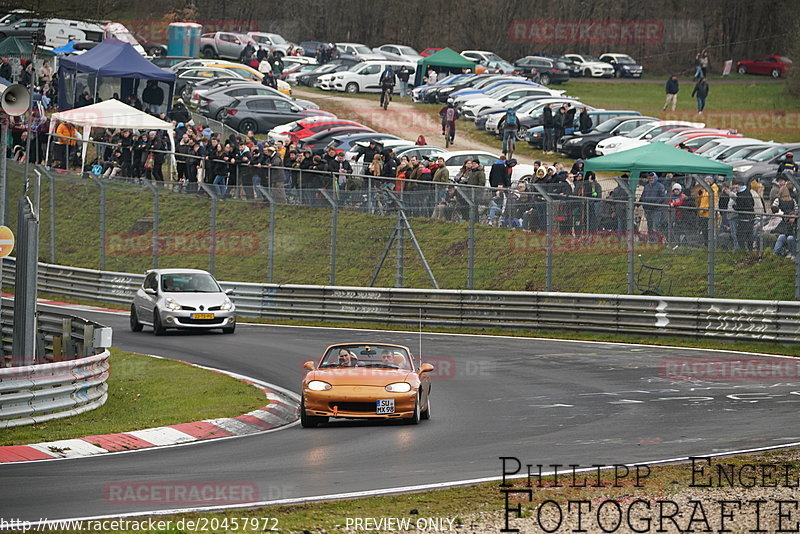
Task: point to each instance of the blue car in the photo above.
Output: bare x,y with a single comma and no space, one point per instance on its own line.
534,136
487,85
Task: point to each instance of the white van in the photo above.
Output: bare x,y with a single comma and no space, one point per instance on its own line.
59,32
363,77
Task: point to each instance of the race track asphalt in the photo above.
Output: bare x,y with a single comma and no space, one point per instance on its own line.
546,402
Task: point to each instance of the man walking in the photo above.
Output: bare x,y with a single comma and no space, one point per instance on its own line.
672,93
548,143
402,77
701,91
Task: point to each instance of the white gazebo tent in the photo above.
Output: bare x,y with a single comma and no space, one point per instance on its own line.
109,114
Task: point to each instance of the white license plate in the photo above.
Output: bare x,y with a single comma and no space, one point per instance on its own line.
384,406
559,146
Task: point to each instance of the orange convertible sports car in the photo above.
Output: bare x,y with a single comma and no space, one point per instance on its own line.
366,381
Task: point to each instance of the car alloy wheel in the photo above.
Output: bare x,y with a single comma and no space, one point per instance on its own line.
158,328
247,125
742,69
588,150
414,419
426,413
544,79
776,73
136,326
351,88
587,73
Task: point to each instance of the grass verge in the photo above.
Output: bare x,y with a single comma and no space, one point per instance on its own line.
145,392
302,247
481,508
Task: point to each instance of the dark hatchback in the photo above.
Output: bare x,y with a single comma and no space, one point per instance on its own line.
550,70
262,113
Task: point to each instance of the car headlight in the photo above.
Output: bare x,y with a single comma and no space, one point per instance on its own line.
318,385
536,135
611,145
399,387
743,168
572,141
171,304
226,305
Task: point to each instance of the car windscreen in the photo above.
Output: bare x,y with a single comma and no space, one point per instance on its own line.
741,153
607,126
407,50
625,60
277,39
768,154
641,130
189,283
376,356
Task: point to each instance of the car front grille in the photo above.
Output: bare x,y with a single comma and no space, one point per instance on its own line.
216,320
188,308
365,407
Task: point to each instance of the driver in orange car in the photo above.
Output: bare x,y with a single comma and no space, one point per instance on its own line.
347,358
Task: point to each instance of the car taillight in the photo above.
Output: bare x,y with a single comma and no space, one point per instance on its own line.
206,99
232,112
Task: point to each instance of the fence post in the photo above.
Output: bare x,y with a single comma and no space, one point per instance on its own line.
212,245
796,183
400,251
549,229
25,278
711,234
470,200
334,225
3,168
154,189
271,250
630,220
53,217
102,220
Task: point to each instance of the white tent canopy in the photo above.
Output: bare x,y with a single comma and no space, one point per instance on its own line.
109,114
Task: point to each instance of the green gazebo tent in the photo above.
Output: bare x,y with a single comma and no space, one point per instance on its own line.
13,47
446,58
656,157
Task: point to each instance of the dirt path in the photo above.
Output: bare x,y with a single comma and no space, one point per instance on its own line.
404,120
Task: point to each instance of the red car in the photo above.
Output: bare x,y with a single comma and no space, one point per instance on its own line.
775,66
305,129
428,51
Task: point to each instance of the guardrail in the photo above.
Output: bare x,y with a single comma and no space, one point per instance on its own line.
68,376
631,314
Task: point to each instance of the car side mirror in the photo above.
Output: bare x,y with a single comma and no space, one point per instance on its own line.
297,109
228,291
648,136
150,291
309,366
426,368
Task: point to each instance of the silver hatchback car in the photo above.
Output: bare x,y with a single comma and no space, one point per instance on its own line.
181,298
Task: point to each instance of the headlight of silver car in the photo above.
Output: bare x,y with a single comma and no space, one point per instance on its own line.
399,387
226,305
171,304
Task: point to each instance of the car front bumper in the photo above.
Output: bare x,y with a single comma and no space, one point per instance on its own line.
184,319
357,402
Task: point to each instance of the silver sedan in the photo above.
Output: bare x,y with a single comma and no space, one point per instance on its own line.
184,299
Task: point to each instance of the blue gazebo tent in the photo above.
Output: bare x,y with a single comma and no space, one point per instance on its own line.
108,68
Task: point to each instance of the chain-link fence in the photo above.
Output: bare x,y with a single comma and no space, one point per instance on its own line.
310,226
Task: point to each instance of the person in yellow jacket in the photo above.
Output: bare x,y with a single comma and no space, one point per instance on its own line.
704,203
66,141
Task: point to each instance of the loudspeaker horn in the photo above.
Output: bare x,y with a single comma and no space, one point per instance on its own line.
15,100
